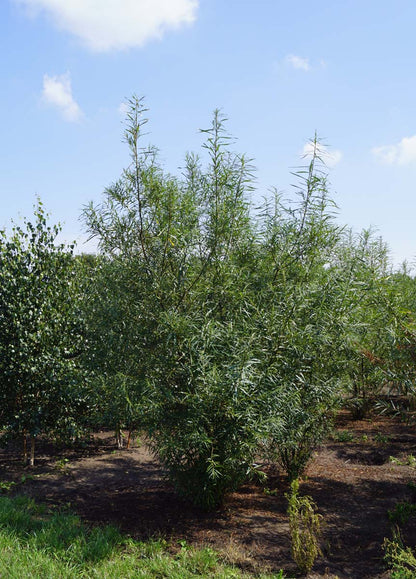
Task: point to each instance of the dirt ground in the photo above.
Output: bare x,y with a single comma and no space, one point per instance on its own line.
354,484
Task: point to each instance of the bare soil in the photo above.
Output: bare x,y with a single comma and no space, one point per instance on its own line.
354,484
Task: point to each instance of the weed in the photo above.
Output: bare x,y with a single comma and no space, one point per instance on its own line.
305,528
37,543
343,436
381,438
409,460
6,486
61,464
270,492
402,512
401,559
183,545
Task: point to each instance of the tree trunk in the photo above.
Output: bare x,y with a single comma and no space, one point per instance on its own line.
32,451
24,447
119,438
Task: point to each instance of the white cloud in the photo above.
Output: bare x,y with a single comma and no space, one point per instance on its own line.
298,62
115,24
123,109
328,156
57,92
403,153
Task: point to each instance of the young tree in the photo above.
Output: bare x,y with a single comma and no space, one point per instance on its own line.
41,333
303,297
114,356
371,320
402,367
182,245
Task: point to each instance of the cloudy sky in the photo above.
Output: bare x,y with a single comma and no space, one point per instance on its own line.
279,72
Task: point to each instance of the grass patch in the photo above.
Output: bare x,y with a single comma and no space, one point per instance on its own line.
37,543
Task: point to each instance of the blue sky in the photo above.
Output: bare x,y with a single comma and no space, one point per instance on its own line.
279,71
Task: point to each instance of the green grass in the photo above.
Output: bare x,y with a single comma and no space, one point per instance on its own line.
35,543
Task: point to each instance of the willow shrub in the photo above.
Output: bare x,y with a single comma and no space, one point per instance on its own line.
371,321
231,318
304,296
380,343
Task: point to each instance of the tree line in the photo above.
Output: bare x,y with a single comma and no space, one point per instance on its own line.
230,334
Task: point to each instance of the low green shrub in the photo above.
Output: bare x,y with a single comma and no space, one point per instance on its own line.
305,529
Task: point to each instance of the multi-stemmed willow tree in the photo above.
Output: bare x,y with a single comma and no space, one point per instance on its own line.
304,297
183,245
226,326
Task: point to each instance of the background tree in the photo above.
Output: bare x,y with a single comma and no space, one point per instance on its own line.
113,359
41,334
374,322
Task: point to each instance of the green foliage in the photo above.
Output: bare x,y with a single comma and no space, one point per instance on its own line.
303,296
176,251
305,528
402,513
367,340
216,328
401,366
401,559
409,460
343,436
113,358
41,332
6,486
381,345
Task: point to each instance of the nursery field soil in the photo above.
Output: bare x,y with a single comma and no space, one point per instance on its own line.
352,479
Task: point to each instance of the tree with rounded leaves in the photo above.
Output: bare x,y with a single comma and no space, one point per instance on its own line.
41,333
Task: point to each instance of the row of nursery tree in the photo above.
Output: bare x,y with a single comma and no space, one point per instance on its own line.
229,334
